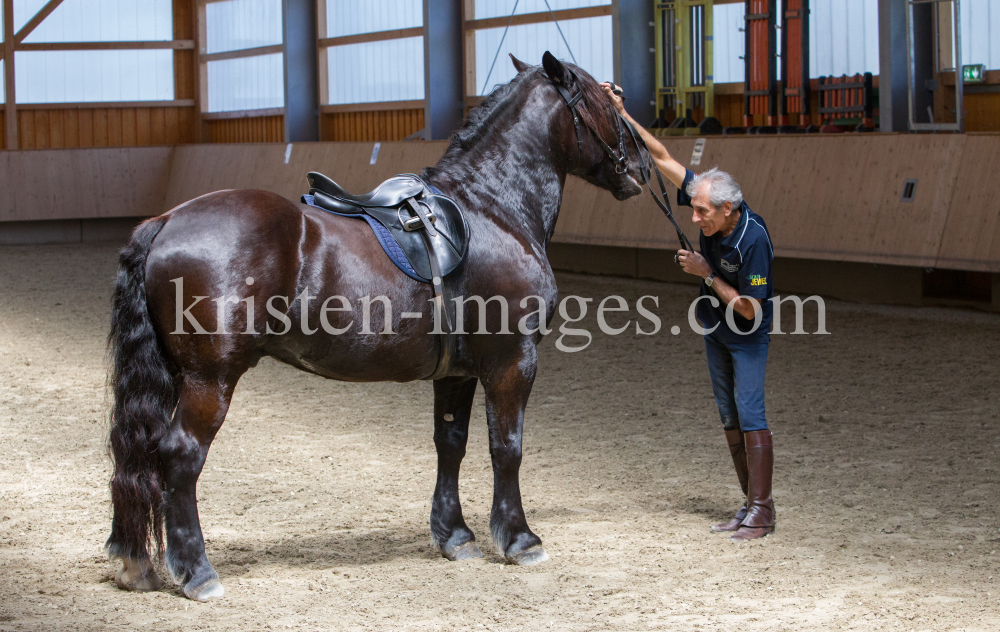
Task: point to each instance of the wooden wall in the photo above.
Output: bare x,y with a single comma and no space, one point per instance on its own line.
729,109
199,169
385,125
105,127
982,112
830,197
82,183
826,197
257,129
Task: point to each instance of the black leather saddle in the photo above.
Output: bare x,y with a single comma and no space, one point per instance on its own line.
422,230
428,226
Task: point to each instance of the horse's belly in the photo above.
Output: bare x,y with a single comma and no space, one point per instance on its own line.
370,358
364,319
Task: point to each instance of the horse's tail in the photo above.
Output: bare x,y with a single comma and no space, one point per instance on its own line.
144,400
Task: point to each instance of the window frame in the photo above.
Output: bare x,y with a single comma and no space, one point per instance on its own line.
13,42
470,24
324,42
241,53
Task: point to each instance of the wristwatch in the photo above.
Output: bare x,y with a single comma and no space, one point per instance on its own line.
709,280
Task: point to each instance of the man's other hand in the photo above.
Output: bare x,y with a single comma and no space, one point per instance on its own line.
693,263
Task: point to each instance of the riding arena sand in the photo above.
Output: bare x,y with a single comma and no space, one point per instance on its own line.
316,494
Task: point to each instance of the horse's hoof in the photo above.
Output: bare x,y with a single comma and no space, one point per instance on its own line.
529,557
212,589
467,551
138,576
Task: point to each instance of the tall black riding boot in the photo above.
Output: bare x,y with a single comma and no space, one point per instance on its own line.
760,508
739,454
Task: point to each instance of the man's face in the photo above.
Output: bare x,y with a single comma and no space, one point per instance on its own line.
710,219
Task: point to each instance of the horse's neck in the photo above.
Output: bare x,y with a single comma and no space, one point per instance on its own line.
515,176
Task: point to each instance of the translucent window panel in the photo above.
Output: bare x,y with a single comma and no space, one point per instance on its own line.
94,75
843,37
980,22
390,70
249,83
239,24
502,8
3,82
590,38
107,21
728,43
24,10
350,17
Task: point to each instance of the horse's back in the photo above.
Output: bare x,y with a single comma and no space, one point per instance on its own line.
230,246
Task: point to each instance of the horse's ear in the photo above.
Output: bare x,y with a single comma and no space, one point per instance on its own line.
518,64
556,70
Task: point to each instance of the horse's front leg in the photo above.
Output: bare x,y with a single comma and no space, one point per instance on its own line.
507,389
452,408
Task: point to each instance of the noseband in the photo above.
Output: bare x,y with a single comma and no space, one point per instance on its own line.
620,158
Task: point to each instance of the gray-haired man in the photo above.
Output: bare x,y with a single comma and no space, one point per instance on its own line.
735,311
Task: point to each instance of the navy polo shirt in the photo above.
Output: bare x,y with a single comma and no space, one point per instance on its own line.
743,260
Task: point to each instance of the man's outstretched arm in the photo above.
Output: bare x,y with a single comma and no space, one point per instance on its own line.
674,170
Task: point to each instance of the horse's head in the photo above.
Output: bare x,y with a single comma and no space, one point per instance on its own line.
597,143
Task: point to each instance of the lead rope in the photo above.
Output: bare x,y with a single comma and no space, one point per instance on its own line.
665,204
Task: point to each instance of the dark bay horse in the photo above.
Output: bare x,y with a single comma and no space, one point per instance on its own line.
177,358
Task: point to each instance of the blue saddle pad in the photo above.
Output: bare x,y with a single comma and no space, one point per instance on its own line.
385,238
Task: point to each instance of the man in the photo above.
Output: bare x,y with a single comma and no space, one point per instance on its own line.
735,311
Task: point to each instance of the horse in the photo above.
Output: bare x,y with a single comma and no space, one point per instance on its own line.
171,387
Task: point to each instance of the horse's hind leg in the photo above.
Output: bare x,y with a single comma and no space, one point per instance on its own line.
452,409
200,412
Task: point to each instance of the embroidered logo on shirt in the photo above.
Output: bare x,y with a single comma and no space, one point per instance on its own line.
756,279
728,267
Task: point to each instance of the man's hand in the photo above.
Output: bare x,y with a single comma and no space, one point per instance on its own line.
693,263
615,99
674,170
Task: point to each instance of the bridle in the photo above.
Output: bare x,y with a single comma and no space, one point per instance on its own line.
620,158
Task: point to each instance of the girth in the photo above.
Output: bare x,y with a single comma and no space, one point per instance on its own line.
423,231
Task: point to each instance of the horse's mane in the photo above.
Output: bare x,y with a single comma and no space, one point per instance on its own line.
479,122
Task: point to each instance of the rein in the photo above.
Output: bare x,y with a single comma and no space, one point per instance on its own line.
620,158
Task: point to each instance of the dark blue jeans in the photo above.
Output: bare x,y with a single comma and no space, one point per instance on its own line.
737,371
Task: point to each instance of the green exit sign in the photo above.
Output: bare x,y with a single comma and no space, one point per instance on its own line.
972,73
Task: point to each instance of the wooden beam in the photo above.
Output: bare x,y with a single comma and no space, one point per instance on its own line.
239,54
322,67
537,18
379,36
379,106
26,30
103,105
219,116
10,111
161,45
